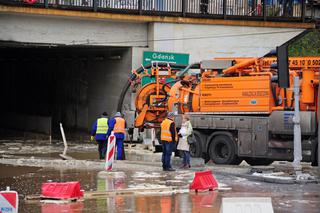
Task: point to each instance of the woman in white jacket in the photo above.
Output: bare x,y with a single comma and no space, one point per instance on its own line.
185,131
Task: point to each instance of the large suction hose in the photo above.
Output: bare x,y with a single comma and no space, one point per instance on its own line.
141,69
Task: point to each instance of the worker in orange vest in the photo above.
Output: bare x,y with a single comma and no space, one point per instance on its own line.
119,130
169,137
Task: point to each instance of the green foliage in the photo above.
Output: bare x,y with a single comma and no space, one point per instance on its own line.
309,45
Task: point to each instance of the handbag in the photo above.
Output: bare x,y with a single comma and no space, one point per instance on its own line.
191,139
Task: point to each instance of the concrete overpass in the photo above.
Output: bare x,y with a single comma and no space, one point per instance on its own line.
70,65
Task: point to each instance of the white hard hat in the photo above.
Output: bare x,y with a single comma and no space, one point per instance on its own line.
118,114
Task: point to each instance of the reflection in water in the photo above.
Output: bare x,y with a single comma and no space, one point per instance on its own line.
166,204
201,202
205,202
62,207
111,182
189,202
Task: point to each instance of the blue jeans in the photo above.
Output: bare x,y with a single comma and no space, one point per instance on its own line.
186,157
120,147
167,148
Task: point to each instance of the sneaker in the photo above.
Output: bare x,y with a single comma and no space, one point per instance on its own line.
171,170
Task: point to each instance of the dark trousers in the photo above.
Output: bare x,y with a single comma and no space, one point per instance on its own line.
167,148
102,148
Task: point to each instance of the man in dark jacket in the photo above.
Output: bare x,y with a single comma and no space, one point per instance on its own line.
101,129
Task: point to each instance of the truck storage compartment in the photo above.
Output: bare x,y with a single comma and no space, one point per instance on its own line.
236,94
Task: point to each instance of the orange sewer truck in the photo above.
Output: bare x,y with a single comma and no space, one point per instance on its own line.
236,107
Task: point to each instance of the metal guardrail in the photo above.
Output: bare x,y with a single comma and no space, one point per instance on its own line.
275,10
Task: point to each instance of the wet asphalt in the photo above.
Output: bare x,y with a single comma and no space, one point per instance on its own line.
27,180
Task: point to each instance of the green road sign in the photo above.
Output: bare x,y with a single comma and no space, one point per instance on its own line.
149,57
178,58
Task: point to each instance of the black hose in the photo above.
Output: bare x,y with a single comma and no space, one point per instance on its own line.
163,89
141,69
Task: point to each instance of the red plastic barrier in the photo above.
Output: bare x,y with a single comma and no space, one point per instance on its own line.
30,1
203,181
67,190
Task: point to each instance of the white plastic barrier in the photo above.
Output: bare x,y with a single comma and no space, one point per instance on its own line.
246,205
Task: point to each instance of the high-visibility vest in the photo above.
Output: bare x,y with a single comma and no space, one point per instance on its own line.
102,126
120,125
165,131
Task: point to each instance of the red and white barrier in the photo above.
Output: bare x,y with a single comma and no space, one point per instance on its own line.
9,201
110,151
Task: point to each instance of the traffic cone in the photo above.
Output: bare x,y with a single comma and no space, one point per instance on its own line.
203,181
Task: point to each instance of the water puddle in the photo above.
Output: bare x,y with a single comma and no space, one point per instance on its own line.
7,171
28,180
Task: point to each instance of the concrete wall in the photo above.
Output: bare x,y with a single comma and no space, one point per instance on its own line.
208,41
137,53
63,30
105,83
200,41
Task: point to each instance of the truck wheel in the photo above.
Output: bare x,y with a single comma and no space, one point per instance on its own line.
222,150
195,149
259,161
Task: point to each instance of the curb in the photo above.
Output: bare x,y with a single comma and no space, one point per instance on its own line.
269,180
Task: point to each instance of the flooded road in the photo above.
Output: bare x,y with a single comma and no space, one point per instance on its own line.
142,172
27,181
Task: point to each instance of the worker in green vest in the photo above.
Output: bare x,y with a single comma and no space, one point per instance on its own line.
101,131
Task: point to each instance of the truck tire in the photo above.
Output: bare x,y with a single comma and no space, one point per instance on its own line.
222,150
259,161
196,148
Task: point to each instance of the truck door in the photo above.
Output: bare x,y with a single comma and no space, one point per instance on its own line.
260,137
245,143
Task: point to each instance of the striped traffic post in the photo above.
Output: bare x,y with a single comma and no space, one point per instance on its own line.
110,151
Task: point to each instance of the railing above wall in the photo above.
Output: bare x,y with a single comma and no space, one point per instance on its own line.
264,10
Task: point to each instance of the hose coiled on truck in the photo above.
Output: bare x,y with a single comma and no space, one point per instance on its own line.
142,68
